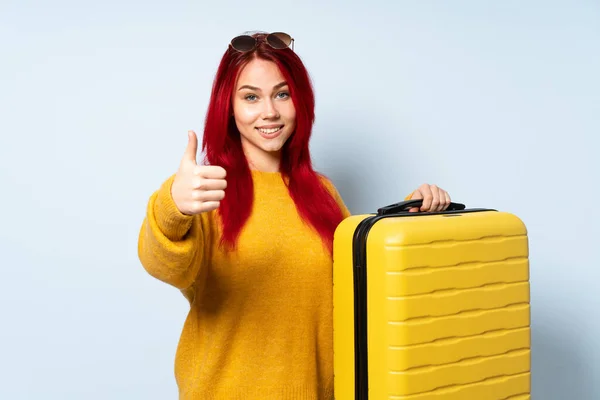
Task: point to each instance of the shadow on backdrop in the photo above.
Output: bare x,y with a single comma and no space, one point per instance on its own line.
558,369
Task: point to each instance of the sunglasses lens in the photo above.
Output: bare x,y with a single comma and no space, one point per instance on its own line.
243,43
279,40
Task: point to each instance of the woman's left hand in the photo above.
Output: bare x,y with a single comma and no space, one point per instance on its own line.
434,198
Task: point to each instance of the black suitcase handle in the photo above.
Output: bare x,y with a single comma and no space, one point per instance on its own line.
404,206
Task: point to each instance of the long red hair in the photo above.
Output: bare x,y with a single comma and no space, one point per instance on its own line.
222,147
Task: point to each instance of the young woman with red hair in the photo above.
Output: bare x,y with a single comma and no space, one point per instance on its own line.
247,235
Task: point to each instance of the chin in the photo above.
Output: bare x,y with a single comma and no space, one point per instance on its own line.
273,145
272,149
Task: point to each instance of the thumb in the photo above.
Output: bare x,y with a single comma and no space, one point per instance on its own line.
192,147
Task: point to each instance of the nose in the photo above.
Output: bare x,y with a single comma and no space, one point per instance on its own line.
270,110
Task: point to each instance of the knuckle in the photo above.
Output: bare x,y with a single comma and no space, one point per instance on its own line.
193,208
202,184
213,205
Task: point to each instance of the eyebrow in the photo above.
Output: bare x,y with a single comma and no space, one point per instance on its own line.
279,85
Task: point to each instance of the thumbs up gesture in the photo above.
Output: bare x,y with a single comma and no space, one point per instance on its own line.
197,188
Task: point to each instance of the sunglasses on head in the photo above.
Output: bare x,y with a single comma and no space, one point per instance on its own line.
277,40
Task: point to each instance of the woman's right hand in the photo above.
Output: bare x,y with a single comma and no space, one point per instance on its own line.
197,188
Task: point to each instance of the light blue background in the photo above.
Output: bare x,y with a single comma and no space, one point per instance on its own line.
497,102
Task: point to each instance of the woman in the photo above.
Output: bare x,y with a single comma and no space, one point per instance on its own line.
247,235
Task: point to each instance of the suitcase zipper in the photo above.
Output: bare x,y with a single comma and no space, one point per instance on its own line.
361,378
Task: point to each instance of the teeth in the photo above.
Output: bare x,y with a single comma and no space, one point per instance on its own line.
269,131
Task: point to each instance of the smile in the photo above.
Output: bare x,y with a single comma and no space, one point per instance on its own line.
270,131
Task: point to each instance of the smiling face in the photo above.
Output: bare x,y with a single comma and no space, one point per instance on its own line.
264,113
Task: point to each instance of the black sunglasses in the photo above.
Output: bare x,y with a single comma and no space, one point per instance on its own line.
277,40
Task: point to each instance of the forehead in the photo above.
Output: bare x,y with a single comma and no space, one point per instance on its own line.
261,73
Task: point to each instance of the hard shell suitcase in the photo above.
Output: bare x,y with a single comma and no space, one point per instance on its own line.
431,305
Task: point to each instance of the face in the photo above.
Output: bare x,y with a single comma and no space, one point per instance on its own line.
264,113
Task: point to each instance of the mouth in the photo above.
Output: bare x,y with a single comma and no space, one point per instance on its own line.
270,131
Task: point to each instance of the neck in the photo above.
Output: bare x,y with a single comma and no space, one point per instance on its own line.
264,162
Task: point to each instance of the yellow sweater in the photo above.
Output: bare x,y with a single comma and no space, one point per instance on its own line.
260,319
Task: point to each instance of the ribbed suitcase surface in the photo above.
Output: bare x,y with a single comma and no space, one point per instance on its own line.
446,307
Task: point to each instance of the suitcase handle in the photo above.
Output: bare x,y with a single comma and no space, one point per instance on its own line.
404,206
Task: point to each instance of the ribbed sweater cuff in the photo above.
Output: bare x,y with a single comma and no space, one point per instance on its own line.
289,393
170,220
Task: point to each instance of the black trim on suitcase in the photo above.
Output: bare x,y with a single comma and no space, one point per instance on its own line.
359,255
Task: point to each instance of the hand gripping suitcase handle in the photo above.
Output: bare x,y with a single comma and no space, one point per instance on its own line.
404,206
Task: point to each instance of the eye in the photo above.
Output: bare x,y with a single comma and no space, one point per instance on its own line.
283,95
250,97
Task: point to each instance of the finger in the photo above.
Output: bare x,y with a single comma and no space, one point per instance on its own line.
209,184
198,207
427,197
208,196
211,172
417,195
192,147
435,198
446,197
441,195
209,206
442,200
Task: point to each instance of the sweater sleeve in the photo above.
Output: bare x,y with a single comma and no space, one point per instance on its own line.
170,244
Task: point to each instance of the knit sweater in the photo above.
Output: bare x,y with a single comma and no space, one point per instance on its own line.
260,324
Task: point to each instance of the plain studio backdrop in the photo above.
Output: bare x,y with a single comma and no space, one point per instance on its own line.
497,102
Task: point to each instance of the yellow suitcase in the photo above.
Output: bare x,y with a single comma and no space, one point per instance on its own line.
431,305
